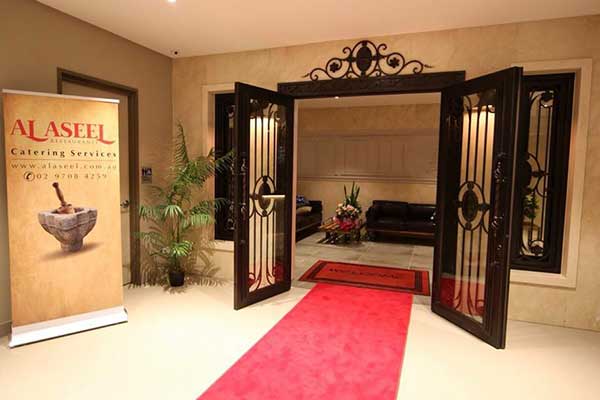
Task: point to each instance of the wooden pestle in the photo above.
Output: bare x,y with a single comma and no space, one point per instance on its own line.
64,208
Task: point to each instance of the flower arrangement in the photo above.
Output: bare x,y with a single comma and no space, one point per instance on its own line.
347,213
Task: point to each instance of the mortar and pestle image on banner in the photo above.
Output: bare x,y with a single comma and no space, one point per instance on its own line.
68,224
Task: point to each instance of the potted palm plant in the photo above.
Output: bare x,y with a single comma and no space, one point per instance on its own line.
179,210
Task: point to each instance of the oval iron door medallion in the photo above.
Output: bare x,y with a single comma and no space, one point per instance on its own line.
470,205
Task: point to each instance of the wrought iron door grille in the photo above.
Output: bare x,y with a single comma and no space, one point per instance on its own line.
463,287
224,131
542,173
268,135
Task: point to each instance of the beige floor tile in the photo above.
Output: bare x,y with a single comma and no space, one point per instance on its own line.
371,253
419,261
193,337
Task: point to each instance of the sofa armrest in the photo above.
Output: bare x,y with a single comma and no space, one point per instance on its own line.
372,213
317,206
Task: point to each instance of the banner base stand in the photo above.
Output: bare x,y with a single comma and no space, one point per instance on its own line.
65,326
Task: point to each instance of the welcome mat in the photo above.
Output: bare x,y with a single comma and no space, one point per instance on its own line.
337,343
398,279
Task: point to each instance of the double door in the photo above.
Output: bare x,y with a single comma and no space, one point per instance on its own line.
478,123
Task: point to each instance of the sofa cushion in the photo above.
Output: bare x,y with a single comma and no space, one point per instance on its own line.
420,212
302,210
420,226
387,223
395,209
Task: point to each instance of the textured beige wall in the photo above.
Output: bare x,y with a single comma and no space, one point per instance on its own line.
380,126
356,120
332,192
478,51
35,40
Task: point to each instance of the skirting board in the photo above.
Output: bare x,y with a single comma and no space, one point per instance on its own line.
64,326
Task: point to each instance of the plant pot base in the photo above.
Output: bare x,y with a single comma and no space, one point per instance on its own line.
176,279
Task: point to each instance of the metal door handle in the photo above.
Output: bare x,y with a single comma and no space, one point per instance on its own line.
125,204
273,196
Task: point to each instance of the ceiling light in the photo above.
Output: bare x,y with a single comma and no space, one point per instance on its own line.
171,1
336,97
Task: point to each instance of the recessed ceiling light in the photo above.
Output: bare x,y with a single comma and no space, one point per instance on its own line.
171,1
336,97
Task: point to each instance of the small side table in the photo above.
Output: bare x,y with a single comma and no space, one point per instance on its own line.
333,234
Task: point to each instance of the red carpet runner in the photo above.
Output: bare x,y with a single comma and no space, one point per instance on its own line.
338,343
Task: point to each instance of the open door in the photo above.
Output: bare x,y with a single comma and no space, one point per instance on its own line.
474,203
263,177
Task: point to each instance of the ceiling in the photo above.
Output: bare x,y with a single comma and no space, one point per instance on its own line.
371,101
199,27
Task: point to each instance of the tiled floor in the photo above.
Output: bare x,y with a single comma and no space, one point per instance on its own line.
400,255
175,345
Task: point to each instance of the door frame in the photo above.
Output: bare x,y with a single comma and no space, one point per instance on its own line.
64,75
376,85
414,83
371,86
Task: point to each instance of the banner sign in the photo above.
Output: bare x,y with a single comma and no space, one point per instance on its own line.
62,176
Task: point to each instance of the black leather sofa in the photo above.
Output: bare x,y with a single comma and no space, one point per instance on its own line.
401,219
308,223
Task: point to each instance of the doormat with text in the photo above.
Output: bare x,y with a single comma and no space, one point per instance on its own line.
414,281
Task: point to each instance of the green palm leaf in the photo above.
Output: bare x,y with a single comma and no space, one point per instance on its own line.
180,153
178,210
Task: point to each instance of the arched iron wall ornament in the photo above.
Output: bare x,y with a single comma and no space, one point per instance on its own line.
366,59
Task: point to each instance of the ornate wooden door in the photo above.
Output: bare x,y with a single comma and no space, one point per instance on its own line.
474,203
263,177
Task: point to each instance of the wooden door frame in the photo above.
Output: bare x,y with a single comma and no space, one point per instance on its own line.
380,85
372,86
67,76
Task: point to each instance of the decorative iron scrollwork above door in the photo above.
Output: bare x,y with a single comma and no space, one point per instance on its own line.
366,59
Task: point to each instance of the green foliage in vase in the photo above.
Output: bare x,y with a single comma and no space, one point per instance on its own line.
530,206
352,198
179,210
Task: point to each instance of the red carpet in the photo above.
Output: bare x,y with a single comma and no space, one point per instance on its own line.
400,279
338,343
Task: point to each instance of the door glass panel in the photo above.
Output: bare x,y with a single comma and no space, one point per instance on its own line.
542,172
463,282
538,167
224,187
266,175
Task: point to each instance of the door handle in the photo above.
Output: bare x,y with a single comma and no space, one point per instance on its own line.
273,196
125,204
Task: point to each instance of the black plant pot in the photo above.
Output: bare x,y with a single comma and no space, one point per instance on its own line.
176,278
